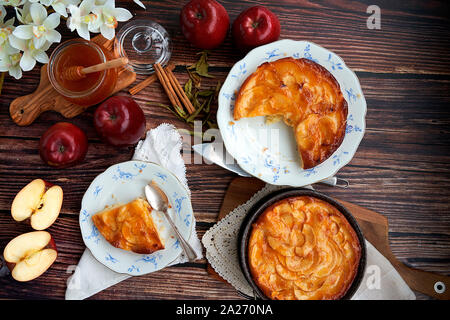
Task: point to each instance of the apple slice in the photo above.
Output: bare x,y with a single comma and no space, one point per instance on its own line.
38,201
30,255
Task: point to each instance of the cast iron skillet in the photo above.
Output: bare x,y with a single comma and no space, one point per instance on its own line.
267,201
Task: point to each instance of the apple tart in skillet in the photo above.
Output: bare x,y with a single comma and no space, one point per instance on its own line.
303,248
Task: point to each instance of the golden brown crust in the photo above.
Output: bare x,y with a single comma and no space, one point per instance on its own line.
307,96
303,248
129,227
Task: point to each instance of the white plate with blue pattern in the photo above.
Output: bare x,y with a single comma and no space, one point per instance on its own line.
253,143
122,183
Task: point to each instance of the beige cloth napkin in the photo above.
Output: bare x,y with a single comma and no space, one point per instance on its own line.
162,145
391,285
380,282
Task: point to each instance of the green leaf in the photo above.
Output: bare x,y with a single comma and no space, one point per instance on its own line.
205,120
195,78
168,108
180,111
207,108
201,66
205,93
212,125
196,112
188,88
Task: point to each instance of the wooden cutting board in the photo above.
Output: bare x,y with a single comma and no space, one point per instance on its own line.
374,227
24,110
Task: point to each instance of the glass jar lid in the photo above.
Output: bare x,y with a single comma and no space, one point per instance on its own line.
144,43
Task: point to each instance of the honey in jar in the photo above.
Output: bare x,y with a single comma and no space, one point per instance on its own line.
94,87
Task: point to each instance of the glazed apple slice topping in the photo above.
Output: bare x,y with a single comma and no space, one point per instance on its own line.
30,255
38,201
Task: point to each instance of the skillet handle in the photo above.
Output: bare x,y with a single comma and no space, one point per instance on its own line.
246,296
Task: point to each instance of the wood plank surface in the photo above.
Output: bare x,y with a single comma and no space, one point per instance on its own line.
401,169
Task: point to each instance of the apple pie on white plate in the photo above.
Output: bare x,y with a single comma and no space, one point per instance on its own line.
306,96
130,227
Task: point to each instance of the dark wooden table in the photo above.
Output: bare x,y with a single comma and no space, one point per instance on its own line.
401,169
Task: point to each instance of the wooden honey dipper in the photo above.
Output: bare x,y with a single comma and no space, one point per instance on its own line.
75,73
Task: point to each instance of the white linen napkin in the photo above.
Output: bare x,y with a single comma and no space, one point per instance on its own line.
162,145
391,285
380,282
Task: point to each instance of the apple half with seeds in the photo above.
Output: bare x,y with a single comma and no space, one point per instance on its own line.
30,255
38,201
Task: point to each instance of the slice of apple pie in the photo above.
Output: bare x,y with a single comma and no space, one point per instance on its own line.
129,227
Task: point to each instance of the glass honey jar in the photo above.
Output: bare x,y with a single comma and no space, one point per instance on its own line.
94,87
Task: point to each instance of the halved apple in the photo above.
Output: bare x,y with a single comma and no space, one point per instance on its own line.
38,201
30,255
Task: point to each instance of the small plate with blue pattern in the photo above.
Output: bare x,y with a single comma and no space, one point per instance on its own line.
120,184
268,150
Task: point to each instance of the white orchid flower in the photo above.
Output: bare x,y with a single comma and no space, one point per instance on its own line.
6,28
2,14
139,3
82,20
31,54
102,2
13,3
11,64
23,14
43,2
42,28
6,50
60,6
110,15
5,32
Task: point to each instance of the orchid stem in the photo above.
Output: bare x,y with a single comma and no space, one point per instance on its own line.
2,78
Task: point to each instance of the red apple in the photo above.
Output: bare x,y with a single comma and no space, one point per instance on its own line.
204,23
38,201
63,145
254,27
120,121
30,255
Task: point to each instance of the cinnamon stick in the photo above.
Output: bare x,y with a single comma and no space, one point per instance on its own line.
179,90
148,81
165,82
